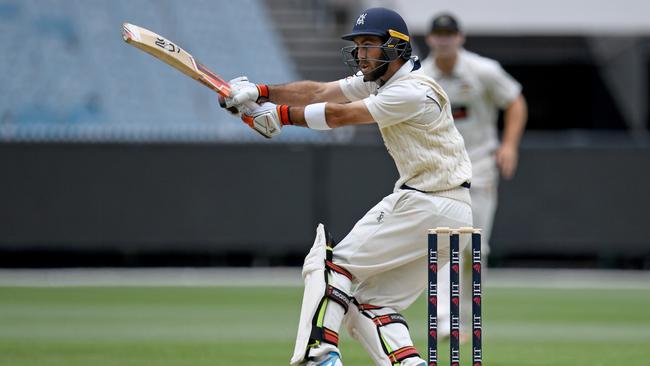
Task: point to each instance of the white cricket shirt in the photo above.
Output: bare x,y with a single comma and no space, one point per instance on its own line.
478,87
414,117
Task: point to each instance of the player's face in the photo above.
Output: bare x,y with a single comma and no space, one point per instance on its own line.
445,44
369,54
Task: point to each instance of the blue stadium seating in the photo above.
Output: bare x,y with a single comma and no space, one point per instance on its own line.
66,74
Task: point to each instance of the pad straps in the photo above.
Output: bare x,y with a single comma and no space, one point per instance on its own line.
393,318
338,296
319,332
324,334
380,321
329,264
403,353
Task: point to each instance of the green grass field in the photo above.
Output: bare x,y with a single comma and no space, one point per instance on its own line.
256,326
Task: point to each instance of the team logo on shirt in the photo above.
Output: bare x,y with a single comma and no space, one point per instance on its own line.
459,112
380,218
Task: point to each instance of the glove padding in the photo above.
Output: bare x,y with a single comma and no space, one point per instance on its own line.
265,119
242,91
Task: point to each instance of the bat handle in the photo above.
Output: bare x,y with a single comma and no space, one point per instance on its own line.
249,106
222,104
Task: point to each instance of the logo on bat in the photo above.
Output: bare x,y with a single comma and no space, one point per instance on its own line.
164,44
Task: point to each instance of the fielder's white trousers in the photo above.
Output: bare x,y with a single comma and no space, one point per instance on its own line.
386,251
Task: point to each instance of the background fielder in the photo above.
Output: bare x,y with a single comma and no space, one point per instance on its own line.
477,88
378,269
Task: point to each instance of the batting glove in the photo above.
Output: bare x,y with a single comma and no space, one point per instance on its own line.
267,119
243,91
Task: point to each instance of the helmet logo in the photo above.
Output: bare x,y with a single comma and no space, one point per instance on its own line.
362,19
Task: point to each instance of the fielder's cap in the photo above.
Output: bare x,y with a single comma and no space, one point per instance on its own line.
445,23
379,22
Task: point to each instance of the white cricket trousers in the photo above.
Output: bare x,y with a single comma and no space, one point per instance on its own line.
386,251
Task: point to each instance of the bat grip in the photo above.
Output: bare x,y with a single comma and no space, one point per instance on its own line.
222,104
249,106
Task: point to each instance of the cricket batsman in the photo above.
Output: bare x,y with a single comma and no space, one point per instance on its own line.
379,268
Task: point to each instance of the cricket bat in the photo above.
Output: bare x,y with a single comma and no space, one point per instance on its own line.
176,57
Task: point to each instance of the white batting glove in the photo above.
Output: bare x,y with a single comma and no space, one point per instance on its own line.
243,91
267,119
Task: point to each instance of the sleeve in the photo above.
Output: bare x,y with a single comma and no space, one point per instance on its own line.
354,88
501,87
397,103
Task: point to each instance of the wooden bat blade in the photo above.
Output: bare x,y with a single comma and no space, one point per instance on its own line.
173,55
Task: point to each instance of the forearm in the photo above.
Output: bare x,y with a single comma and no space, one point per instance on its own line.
268,118
297,116
514,122
336,115
302,93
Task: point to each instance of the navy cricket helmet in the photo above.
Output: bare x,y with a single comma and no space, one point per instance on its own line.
380,22
390,27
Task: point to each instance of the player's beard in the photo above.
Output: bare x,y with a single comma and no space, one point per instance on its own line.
376,72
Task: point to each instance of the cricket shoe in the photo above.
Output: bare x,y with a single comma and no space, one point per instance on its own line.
413,361
330,359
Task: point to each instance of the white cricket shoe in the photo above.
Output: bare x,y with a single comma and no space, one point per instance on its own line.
331,359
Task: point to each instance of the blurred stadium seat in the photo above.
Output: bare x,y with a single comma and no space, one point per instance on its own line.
69,77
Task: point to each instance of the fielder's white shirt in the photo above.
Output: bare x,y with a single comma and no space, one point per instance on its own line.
477,88
414,117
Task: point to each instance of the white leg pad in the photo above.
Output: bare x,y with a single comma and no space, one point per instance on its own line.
394,336
365,331
313,272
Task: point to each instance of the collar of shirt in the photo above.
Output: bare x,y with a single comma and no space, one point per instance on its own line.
404,70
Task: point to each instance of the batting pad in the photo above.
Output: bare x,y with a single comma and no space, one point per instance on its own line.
313,272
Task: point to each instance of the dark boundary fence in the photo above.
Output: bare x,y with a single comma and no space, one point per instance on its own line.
193,204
